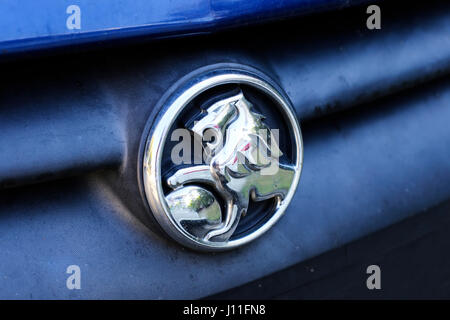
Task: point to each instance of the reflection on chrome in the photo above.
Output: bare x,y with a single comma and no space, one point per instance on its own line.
195,209
243,163
200,204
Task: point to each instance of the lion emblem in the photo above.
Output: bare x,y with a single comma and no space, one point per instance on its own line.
242,162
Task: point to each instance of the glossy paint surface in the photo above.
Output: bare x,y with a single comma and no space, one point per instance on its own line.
31,25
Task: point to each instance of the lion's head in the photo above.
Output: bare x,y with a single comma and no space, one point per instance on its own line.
233,135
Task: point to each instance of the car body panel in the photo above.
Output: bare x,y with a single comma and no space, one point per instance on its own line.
29,25
373,107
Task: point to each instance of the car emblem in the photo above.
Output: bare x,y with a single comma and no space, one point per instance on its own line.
223,160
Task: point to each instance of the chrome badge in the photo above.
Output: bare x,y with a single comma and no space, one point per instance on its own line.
223,160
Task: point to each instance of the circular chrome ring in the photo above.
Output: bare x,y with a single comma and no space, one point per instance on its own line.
153,153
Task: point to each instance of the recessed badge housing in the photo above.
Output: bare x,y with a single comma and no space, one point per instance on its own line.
223,159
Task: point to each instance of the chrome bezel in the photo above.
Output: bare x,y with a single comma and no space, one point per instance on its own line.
156,139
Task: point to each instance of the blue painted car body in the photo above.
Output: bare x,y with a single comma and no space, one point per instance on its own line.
70,123
29,25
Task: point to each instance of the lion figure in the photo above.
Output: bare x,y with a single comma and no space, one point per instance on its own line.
242,161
